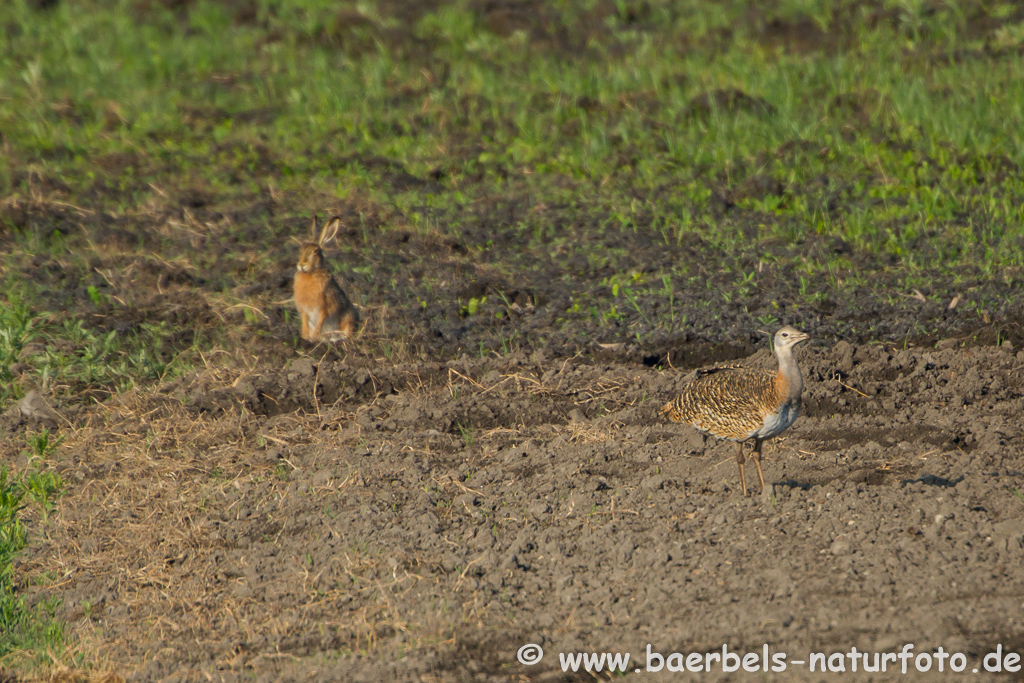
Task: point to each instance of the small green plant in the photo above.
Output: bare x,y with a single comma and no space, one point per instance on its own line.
466,432
41,445
668,291
41,487
508,344
12,532
95,296
631,298
473,306
612,313
745,283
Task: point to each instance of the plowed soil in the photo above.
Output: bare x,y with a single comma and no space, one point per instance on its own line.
345,520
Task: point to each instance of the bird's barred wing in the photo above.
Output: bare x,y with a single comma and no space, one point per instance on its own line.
730,402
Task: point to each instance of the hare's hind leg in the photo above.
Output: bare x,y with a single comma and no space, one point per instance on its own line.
305,324
348,322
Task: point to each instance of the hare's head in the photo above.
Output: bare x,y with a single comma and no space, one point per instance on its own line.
311,254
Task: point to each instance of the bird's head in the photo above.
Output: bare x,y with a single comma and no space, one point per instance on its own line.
787,337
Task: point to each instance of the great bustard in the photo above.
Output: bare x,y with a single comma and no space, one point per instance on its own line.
740,404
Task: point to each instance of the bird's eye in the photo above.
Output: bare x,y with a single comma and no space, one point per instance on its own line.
785,334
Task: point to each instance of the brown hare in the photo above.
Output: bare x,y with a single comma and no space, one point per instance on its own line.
327,314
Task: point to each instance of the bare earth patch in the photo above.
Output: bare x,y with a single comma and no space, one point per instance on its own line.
366,522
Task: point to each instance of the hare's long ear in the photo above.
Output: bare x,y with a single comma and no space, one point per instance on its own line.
313,229
330,230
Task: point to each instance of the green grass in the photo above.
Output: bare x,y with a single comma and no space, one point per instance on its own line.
30,634
302,96
595,124
77,362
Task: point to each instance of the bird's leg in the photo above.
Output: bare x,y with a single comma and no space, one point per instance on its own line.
756,455
739,461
